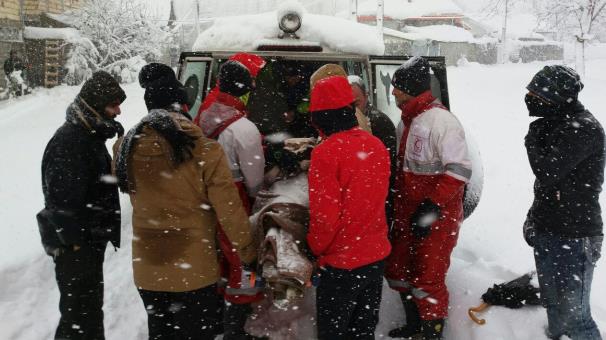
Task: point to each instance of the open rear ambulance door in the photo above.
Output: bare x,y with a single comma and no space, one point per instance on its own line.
193,73
382,69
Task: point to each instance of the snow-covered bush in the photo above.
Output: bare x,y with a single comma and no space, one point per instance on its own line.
117,36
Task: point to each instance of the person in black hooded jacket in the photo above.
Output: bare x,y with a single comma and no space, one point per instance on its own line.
82,208
565,147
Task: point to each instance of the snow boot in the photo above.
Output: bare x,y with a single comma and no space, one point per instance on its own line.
432,329
413,320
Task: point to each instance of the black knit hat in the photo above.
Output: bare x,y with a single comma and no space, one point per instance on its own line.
162,89
101,90
234,79
556,84
413,77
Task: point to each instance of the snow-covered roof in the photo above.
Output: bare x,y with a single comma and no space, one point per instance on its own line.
446,33
41,33
65,18
402,9
247,32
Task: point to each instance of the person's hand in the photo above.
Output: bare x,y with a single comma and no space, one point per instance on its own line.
530,233
424,217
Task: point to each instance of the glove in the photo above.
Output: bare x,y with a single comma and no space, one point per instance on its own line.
424,217
530,232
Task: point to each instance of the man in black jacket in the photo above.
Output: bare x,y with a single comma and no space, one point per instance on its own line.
564,225
383,128
82,209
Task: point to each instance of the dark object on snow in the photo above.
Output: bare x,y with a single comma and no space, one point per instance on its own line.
234,79
513,294
413,77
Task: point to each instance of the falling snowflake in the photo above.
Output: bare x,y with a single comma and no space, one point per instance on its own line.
109,179
362,155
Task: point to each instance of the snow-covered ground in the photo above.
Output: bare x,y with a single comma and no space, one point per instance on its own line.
489,101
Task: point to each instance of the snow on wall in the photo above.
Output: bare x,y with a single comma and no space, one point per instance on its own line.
247,32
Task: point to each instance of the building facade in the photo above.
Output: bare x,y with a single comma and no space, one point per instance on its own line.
16,14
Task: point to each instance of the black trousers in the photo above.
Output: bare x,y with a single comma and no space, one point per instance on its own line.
189,315
348,302
79,275
234,320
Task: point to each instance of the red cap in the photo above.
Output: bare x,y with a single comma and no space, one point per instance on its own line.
252,62
331,93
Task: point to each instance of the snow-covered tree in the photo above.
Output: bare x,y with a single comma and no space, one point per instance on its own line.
117,36
578,17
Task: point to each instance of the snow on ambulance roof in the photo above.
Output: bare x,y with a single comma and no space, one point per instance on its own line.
400,9
248,32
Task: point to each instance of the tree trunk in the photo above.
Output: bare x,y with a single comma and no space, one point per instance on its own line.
579,47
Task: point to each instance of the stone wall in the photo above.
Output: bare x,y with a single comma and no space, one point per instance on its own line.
483,53
453,51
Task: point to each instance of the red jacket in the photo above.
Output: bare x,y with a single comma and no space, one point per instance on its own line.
348,183
433,162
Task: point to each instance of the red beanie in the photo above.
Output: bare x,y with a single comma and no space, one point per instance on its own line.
252,62
331,93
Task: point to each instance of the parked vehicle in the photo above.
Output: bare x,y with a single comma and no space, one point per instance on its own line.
285,53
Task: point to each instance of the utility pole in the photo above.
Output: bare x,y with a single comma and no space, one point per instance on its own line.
503,53
380,15
353,10
197,18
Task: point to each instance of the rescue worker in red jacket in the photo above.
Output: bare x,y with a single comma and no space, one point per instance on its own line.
252,62
433,168
348,183
225,120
